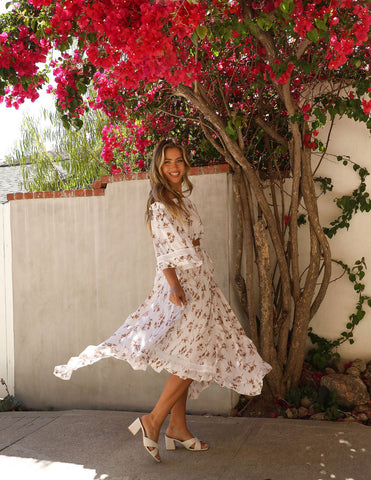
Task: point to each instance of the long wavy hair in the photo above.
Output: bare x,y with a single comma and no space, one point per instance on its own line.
161,190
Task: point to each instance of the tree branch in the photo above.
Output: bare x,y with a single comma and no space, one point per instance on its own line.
271,132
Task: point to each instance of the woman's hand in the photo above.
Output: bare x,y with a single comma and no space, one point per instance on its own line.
177,295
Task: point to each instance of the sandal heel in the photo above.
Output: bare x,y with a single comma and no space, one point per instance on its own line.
135,427
169,443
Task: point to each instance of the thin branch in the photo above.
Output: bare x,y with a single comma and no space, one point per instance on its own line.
271,132
302,47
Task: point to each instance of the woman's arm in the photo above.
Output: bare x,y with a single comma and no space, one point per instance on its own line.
177,295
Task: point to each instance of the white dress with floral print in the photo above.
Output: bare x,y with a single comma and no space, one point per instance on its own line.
202,340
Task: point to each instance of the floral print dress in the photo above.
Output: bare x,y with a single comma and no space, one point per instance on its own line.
201,340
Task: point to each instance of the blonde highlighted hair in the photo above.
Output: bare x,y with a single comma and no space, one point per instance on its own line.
161,190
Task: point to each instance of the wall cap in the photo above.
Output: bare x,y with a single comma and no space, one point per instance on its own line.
99,186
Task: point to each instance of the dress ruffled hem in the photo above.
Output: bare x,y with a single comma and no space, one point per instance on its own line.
202,376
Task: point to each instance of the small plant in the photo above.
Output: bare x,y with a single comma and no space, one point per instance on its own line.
9,402
297,393
323,354
326,402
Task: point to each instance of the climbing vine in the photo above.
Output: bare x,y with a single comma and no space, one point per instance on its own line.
324,352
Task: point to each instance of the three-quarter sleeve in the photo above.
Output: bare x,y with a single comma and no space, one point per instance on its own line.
173,247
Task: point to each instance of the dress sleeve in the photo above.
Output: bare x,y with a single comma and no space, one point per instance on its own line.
173,247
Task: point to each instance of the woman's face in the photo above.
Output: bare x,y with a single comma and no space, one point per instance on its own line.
173,167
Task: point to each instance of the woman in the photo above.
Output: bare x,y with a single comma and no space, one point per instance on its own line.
185,326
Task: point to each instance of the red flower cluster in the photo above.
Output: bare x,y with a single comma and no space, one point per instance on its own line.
124,148
21,52
136,51
366,106
308,142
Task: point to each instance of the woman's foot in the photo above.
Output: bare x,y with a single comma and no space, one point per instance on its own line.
182,434
152,433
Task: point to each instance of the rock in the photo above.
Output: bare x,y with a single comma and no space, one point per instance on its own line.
358,366
350,390
353,371
329,370
303,412
323,395
307,378
362,417
349,419
306,402
292,413
319,416
341,368
365,409
367,372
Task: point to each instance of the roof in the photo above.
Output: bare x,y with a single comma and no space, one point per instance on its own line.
10,180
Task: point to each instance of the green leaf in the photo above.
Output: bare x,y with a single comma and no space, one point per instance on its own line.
320,24
201,31
92,37
313,35
287,7
194,38
231,130
357,63
301,219
320,115
264,22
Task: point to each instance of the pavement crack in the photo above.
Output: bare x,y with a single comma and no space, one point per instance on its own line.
4,446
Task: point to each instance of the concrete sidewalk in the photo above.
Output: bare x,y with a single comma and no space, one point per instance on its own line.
96,445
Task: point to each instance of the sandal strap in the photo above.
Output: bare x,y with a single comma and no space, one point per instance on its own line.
192,444
151,446
147,442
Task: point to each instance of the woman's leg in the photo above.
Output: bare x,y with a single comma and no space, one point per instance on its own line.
178,425
175,388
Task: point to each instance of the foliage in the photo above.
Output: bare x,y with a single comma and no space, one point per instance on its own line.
248,82
319,396
297,393
56,158
326,402
9,402
325,351
321,356
349,204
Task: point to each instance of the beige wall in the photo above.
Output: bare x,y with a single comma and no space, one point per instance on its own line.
80,267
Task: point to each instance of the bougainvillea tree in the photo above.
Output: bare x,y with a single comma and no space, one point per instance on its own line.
249,81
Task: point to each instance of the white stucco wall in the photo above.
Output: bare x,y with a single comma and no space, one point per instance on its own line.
6,303
80,267
353,139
